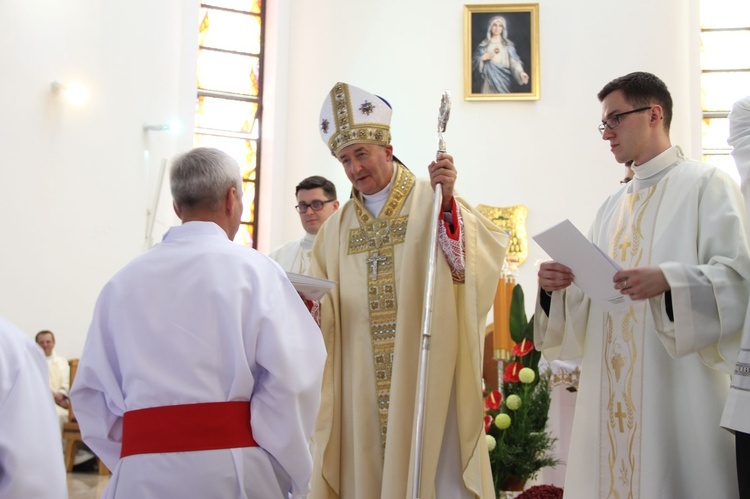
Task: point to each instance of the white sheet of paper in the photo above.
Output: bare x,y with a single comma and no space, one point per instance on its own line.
593,268
311,288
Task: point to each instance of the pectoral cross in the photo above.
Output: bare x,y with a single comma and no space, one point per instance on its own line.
373,262
619,415
624,246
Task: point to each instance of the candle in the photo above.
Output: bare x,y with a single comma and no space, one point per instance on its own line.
501,312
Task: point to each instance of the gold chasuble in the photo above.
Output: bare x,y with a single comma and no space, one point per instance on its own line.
377,237
631,237
371,323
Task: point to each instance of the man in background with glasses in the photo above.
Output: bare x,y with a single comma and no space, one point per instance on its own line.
316,201
654,372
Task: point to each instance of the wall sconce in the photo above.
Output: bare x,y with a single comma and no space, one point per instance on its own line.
172,127
74,92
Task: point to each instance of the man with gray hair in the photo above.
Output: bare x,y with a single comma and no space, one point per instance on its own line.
202,369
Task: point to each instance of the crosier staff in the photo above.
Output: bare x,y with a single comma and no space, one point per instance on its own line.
443,115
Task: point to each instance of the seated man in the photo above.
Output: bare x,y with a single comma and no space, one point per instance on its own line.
59,383
59,374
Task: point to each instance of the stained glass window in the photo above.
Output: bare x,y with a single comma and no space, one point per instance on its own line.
725,73
228,111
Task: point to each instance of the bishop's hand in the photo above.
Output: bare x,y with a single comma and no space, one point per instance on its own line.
443,172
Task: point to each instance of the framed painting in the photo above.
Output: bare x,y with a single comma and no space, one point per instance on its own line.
501,52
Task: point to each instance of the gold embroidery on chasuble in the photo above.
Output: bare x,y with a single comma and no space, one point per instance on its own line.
630,243
376,237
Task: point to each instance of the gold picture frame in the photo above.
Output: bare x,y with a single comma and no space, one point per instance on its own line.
502,64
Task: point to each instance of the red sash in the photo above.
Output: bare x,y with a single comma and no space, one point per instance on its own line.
185,428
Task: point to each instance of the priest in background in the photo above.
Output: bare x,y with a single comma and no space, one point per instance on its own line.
316,201
376,248
737,409
201,372
59,374
654,373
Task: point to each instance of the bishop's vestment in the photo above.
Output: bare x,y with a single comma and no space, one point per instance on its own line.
371,324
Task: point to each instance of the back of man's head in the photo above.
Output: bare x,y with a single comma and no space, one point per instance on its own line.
642,89
200,179
317,181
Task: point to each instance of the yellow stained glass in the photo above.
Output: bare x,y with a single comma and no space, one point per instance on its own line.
725,13
230,31
725,49
249,174
720,90
225,114
248,200
243,151
203,28
255,79
723,162
255,131
715,132
226,72
229,62
245,235
243,5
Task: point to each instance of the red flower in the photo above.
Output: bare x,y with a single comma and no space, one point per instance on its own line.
522,349
487,422
493,401
542,492
511,372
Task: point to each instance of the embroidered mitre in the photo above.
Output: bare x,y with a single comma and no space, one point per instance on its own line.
351,115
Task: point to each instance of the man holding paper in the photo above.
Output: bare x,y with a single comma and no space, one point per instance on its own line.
655,369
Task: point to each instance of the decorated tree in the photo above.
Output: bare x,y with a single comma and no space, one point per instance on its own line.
515,419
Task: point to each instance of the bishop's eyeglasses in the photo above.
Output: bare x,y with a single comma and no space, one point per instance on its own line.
316,205
614,121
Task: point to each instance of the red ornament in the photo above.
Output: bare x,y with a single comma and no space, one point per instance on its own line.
487,422
522,349
493,401
510,375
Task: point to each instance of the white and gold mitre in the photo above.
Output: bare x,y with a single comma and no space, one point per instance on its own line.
351,115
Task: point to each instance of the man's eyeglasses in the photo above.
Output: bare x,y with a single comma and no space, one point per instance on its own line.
614,121
316,205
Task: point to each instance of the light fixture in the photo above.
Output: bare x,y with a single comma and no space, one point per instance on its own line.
157,128
172,127
76,93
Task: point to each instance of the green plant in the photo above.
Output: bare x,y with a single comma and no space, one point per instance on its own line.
515,419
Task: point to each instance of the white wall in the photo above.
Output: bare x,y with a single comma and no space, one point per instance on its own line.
545,154
74,186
